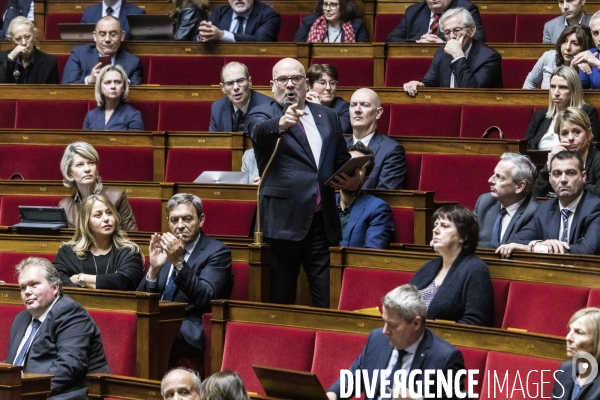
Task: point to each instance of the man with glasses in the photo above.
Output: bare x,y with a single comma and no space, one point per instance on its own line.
421,21
189,267
304,145
84,64
464,62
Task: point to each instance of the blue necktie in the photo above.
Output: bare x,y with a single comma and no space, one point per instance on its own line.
397,366
34,327
497,232
109,11
171,287
240,27
565,218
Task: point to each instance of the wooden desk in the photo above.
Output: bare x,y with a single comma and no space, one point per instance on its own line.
14,385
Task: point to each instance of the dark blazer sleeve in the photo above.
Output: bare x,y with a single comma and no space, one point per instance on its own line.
360,31
52,66
188,21
592,112
482,207
542,186
380,231
488,73
593,176
400,33
92,14
537,127
64,265
302,33
393,169
73,72
128,274
135,74
133,119
342,108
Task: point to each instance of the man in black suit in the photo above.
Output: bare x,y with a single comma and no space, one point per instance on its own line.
241,21
421,21
390,161
464,62
118,9
568,224
14,9
510,205
189,267
54,335
298,212
404,344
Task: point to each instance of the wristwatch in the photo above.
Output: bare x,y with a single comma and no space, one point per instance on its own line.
178,266
80,281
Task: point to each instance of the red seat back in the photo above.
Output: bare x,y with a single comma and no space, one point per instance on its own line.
513,120
241,281
34,162
8,262
185,70
7,316
385,24
184,165
289,26
413,168
61,61
353,71
383,124
230,218
149,110
52,20
7,113
398,71
501,287
260,68
50,114
474,360
184,115
425,120
9,206
529,28
119,338
594,298
126,163
499,28
514,72
404,222
147,214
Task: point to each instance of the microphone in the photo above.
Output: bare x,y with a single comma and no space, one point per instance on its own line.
16,75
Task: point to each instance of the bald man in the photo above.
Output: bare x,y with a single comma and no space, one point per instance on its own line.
180,383
298,212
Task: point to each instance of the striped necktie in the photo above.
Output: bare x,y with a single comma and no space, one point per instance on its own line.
21,356
565,218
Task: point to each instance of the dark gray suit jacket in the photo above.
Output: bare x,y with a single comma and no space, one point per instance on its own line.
487,209
221,111
262,25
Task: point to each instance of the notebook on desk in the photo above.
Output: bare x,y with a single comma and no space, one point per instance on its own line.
76,31
222,177
42,217
150,27
289,384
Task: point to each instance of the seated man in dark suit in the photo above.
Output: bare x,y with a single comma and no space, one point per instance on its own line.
14,9
84,64
464,62
189,267
421,21
390,161
116,8
54,335
569,223
241,21
510,205
366,219
404,344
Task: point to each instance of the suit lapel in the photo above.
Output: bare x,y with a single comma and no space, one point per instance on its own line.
375,143
554,221
228,115
382,363
473,53
514,219
252,19
12,352
573,232
422,350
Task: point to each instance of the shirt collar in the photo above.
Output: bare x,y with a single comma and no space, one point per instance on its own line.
244,108
573,206
512,209
78,199
191,246
45,314
366,140
31,60
116,8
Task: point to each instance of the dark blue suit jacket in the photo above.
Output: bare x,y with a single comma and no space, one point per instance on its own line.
390,163
342,108
370,224
415,22
14,8
288,190
204,277
93,14
85,57
124,118
563,387
67,345
262,25
584,236
221,111
358,25
432,353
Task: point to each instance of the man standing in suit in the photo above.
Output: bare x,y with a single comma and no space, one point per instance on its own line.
366,219
464,62
54,335
115,8
404,343
14,9
568,224
573,14
390,161
305,147
241,21
510,205
421,21
189,267
83,66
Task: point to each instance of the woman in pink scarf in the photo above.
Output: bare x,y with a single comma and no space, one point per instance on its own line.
333,21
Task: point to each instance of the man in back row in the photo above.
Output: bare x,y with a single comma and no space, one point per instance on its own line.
119,9
573,14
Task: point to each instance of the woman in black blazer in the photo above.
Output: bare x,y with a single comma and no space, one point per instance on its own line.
24,63
322,85
333,21
582,338
565,91
456,286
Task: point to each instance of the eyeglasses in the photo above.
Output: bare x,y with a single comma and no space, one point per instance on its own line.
112,34
283,80
239,81
27,38
188,219
456,31
333,6
323,83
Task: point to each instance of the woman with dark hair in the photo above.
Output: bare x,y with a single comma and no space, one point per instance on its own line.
322,85
224,385
333,21
572,41
456,286
186,16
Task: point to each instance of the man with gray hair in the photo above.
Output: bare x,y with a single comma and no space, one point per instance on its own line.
188,267
464,62
180,383
405,344
54,335
510,204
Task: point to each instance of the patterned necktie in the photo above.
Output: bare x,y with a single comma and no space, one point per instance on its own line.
240,120
435,24
21,356
240,28
109,11
565,218
397,366
497,232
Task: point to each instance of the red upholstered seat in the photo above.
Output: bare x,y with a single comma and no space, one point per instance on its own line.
446,175
241,281
230,218
147,214
593,299
260,68
185,70
61,61
385,24
383,124
515,71
529,28
529,306
501,288
7,113
9,206
253,344
335,351
184,116
413,168
499,28
513,120
424,120
7,316
8,261
289,26
36,162
184,165
50,114
364,288
520,386
125,163
398,71
404,221
119,338
149,110
52,20
353,71
474,360
207,327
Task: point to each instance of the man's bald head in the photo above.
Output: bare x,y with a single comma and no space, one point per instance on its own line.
289,82
366,93
365,110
